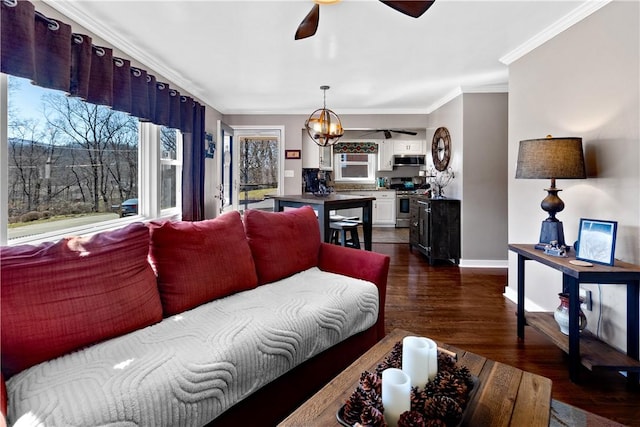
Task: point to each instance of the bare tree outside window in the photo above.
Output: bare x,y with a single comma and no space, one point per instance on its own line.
67,157
258,169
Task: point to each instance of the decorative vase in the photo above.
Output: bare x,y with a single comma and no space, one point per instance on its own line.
562,315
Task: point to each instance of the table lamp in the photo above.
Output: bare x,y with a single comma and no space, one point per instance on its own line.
554,158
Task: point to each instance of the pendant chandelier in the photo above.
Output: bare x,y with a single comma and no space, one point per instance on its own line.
323,126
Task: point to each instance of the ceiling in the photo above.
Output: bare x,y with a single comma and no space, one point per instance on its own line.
240,57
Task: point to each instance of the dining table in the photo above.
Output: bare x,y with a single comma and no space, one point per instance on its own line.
324,204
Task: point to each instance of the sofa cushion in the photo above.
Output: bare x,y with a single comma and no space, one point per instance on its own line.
58,297
197,262
282,243
190,368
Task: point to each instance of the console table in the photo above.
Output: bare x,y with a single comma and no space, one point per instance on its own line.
595,354
323,205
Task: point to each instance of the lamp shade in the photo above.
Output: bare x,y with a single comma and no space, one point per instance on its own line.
553,158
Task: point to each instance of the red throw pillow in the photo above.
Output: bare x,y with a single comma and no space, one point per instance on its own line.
200,261
58,297
282,243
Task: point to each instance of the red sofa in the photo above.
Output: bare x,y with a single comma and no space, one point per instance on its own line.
62,299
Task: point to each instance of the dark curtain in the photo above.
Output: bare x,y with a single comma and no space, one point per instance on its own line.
46,52
193,168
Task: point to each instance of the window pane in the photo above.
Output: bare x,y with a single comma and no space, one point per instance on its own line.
168,142
355,171
170,168
168,187
356,157
70,162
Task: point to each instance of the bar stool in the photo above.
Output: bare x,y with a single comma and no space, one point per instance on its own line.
339,231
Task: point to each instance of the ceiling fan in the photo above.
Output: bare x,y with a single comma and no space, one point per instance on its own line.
387,132
309,25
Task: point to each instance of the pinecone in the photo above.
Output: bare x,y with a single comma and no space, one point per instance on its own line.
372,417
418,396
411,419
463,374
435,422
393,359
353,408
448,384
446,363
371,382
444,408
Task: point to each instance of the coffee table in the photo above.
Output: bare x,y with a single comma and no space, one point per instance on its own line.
506,396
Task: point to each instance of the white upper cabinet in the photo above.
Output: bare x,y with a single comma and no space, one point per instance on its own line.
408,147
385,155
326,158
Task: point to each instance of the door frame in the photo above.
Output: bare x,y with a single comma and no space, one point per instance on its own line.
243,130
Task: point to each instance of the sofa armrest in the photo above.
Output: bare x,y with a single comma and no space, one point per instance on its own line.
365,265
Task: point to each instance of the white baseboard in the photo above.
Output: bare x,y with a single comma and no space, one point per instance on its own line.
484,263
512,295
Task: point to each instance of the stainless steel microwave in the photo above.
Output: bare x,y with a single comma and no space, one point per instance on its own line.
408,160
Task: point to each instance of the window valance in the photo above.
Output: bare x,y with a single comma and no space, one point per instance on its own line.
48,53
356,147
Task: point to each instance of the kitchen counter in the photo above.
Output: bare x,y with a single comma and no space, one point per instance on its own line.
324,204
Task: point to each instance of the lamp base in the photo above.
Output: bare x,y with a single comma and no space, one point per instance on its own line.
551,231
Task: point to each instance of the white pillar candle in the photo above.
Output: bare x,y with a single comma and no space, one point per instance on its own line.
415,360
396,395
433,358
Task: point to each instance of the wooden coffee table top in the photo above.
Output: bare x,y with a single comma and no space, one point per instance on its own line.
506,396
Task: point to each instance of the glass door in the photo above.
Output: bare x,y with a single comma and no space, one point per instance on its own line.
226,167
258,172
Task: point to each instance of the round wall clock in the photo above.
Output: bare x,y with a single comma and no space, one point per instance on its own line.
441,149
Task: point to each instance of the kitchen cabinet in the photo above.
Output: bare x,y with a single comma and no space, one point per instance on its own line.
314,156
384,207
326,158
408,147
435,228
385,155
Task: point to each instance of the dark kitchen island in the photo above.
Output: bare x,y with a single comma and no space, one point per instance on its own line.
323,205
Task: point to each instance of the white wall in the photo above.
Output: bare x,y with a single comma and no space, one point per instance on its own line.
294,124
584,83
450,116
477,123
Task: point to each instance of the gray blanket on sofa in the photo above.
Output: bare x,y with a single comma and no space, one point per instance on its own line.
189,368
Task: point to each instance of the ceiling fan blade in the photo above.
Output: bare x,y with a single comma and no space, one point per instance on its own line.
309,24
406,132
415,9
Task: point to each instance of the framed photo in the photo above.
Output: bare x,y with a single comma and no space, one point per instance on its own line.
597,241
292,154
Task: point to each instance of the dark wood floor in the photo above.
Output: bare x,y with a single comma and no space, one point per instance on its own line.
465,307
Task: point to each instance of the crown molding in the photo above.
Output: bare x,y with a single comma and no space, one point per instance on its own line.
572,18
445,99
69,9
450,96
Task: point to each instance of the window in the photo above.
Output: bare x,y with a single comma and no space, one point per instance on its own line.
355,167
170,168
75,167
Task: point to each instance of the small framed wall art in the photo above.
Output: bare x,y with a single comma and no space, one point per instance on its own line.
292,154
597,241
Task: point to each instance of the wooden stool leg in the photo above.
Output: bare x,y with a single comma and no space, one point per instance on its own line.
355,240
335,237
344,237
